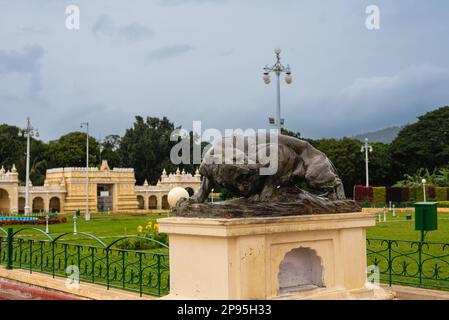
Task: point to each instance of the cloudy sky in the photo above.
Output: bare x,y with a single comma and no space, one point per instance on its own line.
203,59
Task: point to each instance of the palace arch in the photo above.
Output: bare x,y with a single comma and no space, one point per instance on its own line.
5,201
141,202
38,205
152,202
55,205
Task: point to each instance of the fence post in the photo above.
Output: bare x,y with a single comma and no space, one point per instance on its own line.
107,268
390,264
159,277
9,249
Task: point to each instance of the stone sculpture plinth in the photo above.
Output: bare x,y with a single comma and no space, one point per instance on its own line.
297,257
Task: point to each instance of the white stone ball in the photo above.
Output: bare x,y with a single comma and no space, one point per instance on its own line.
175,194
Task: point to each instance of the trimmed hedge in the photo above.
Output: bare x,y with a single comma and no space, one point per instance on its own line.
379,195
363,193
441,194
396,194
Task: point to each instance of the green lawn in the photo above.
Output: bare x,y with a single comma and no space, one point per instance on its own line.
407,256
400,229
144,271
106,227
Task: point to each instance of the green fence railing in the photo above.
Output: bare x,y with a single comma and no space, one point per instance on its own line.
142,271
411,263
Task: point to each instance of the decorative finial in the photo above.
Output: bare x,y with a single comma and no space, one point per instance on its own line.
2,170
177,171
183,172
145,183
14,170
104,166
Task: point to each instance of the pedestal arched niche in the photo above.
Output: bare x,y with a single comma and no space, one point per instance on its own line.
5,202
301,270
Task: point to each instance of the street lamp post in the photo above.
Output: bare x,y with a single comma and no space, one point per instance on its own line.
366,148
28,132
424,181
87,214
278,69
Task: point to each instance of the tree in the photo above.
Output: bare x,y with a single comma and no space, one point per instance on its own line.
380,165
70,151
13,149
346,157
110,150
146,148
423,144
294,134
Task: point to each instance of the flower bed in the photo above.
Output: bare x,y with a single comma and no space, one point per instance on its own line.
33,222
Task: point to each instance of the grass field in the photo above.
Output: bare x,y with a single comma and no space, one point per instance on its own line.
403,259
145,271
106,227
400,229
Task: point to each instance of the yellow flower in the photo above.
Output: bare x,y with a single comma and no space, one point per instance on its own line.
156,227
139,229
148,227
149,224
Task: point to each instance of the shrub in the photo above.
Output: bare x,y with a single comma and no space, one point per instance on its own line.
151,231
363,193
441,193
398,194
444,204
430,193
379,195
412,196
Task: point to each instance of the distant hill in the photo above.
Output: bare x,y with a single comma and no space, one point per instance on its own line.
385,135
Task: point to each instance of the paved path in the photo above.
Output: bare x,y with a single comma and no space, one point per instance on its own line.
14,290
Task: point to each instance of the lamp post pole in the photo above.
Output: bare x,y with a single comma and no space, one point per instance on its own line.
87,214
28,132
278,69
367,148
424,181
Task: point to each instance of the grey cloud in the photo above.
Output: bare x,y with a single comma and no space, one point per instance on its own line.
391,100
181,2
169,52
27,60
134,32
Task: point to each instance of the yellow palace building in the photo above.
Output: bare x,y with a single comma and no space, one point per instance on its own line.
115,190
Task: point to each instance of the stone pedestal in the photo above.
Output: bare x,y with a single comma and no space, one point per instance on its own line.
302,257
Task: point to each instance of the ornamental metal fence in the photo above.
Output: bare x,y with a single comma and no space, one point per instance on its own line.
141,271
410,263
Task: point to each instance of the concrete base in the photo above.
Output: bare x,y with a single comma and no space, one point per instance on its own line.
270,258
